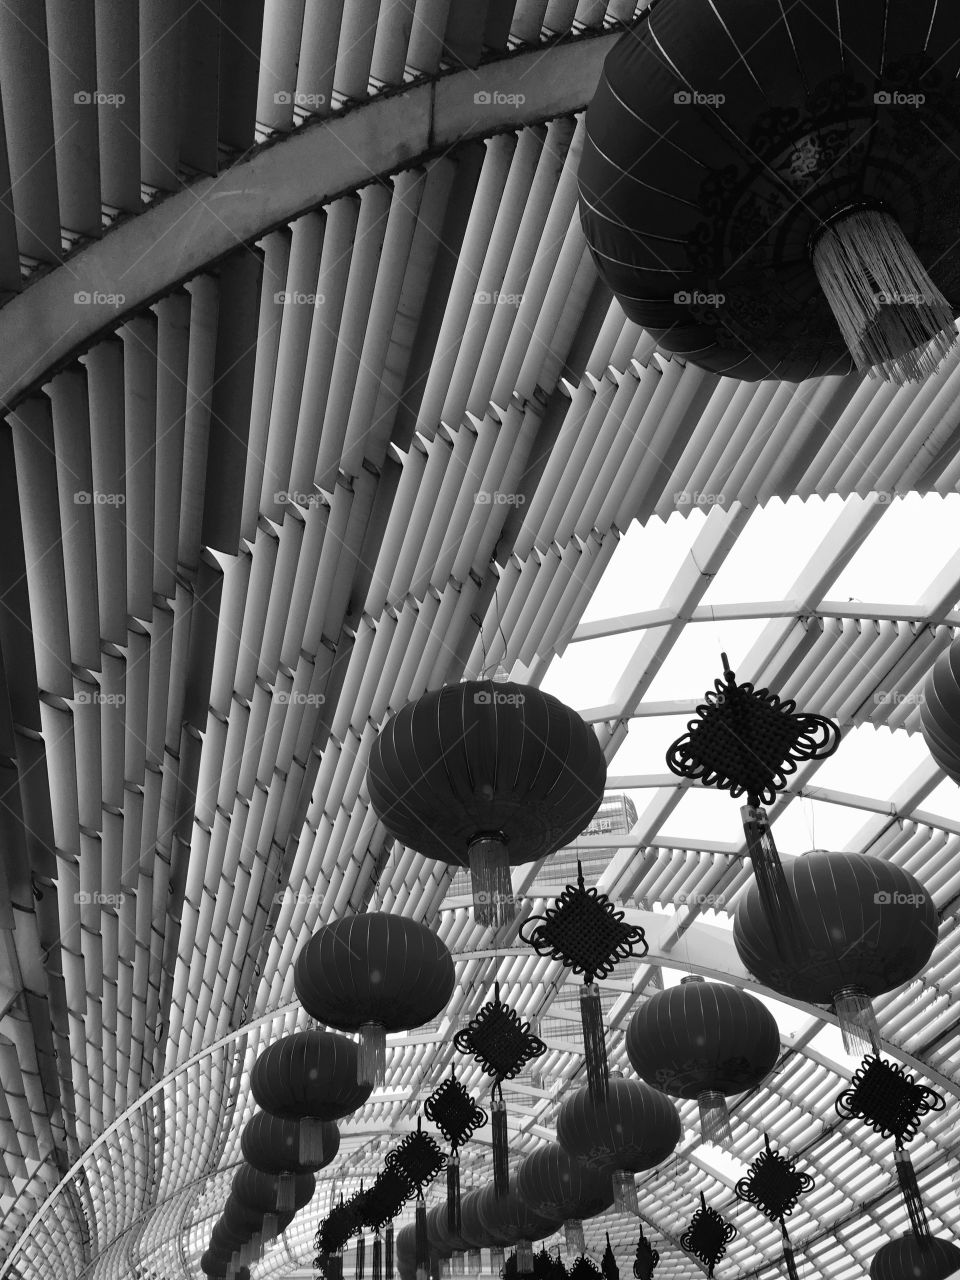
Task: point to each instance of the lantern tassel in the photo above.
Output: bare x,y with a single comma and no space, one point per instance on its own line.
372,1059
271,1226
789,1260
907,1177
501,1150
893,318
286,1192
453,1194
420,1236
858,1021
496,1259
474,1262
360,1257
388,1253
714,1118
336,1266
594,1043
776,900
377,1257
493,901
524,1251
573,1234
311,1144
625,1192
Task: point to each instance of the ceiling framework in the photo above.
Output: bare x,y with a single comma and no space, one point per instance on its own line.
347,438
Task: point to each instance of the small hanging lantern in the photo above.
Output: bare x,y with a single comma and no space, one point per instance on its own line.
931,1259
488,775
503,1044
774,1186
586,933
556,1186
707,1236
748,742
646,1260
891,1102
451,1108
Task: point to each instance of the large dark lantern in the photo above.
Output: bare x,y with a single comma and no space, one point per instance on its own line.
273,1145
765,188
310,1076
635,1128
374,973
554,1185
486,774
907,1258
704,1040
940,711
866,927
511,1218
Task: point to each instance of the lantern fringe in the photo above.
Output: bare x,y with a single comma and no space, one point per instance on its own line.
714,1118
388,1252
776,900
360,1257
594,1043
271,1225
286,1192
474,1262
493,900
858,1021
501,1150
311,1143
420,1236
377,1257
893,318
625,1192
372,1059
496,1259
454,1222
907,1178
573,1234
789,1260
524,1251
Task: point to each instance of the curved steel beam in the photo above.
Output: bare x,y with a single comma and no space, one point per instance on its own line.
143,258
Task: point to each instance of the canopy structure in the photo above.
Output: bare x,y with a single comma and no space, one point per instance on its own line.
313,400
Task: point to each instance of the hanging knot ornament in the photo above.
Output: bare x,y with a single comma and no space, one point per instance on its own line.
747,741
583,1268
451,1108
343,1221
385,1199
503,1044
608,1263
892,1103
418,1159
587,934
707,1236
646,1260
774,1185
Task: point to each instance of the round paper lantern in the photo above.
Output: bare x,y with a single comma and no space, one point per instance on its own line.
214,1267
908,1259
511,1217
310,1076
554,1185
940,711
273,1192
635,1128
703,1040
439,1237
405,1254
866,927
472,1227
240,1218
766,192
374,973
486,774
273,1145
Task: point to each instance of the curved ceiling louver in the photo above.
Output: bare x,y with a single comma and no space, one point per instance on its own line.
704,1040
309,1075
867,926
486,774
374,973
751,188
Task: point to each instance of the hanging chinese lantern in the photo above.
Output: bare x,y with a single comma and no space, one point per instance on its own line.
486,775
633,1129
866,927
374,973
587,934
554,1185
211,1266
906,1258
703,1040
272,1193
511,1220
757,186
310,1076
940,711
474,1229
273,1145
